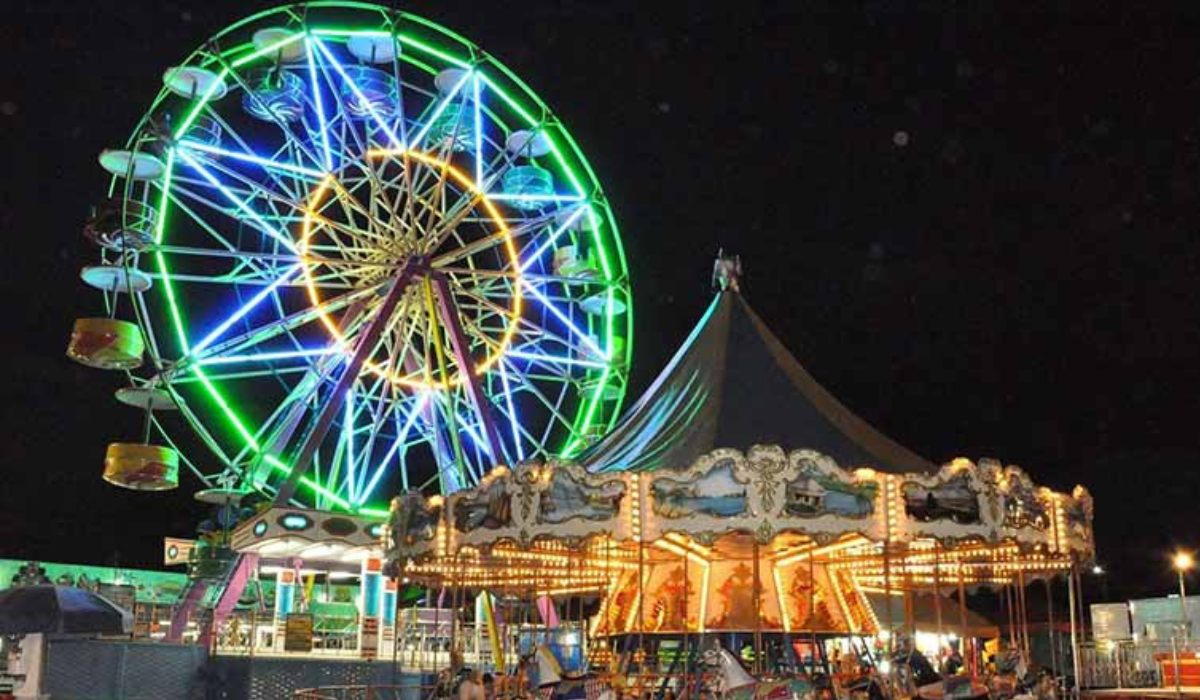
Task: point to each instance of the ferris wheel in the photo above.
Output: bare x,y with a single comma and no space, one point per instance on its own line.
349,253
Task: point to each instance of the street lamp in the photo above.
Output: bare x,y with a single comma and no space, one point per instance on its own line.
1183,562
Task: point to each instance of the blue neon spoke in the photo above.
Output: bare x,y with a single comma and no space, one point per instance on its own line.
550,241
400,438
348,436
587,339
403,471
478,135
512,412
358,93
245,309
437,112
551,359
250,158
267,356
501,197
237,202
476,438
320,107
453,479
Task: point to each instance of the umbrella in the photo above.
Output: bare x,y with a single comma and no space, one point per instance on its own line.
60,610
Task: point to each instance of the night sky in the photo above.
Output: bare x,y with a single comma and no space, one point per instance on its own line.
976,229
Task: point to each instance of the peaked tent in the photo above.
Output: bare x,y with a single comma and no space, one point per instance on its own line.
734,384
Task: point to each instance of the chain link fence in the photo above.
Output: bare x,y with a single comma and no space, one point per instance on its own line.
94,669
90,669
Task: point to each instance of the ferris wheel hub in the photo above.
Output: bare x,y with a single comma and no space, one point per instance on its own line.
415,234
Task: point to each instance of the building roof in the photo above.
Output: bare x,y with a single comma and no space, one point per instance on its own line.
734,384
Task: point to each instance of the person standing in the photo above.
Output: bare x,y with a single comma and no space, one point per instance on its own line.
471,688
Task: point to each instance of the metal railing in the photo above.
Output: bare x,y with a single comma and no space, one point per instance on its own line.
365,692
1127,664
416,649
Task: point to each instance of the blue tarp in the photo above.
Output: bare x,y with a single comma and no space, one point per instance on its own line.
60,610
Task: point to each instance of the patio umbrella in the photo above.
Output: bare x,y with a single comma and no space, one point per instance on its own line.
60,610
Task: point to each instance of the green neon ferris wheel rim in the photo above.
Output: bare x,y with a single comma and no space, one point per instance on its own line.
424,48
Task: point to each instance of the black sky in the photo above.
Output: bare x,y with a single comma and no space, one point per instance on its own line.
1017,280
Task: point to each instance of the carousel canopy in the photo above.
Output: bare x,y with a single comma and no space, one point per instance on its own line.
734,384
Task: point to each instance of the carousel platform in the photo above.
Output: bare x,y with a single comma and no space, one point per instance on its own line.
1139,693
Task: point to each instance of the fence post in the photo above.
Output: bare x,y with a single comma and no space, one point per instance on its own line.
123,651
1175,663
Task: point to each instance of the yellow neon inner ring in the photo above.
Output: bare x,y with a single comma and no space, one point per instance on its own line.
496,352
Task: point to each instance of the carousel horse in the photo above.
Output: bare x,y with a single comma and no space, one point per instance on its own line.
730,681
556,684
914,677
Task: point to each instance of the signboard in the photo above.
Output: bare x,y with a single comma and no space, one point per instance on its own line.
1110,622
176,551
1162,618
298,632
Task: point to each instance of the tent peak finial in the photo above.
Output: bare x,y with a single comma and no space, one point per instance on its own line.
727,272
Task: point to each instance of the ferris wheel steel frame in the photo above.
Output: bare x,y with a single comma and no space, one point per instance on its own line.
472,309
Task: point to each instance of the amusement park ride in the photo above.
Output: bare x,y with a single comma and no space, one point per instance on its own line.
346,254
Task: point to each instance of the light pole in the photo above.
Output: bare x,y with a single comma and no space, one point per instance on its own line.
1183,562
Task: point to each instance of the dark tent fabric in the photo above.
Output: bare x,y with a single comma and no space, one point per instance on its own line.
925,613
60,610
734,384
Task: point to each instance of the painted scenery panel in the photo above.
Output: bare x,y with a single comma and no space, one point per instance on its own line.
951,500
490,507
414,520
567,498
1079,520
813,493
731,601
1023,508
715,493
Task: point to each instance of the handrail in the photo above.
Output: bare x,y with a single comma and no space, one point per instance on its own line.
361,692
1128,664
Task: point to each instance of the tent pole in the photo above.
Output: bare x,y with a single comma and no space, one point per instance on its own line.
687,656
1024,611
812,602
641,608
1083,618
887,593
937,588
757,593
1051,633
1012,614
962,614
1074,636
910,616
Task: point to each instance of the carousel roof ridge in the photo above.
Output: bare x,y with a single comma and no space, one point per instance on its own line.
734,384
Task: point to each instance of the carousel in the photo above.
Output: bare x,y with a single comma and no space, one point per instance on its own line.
738,519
